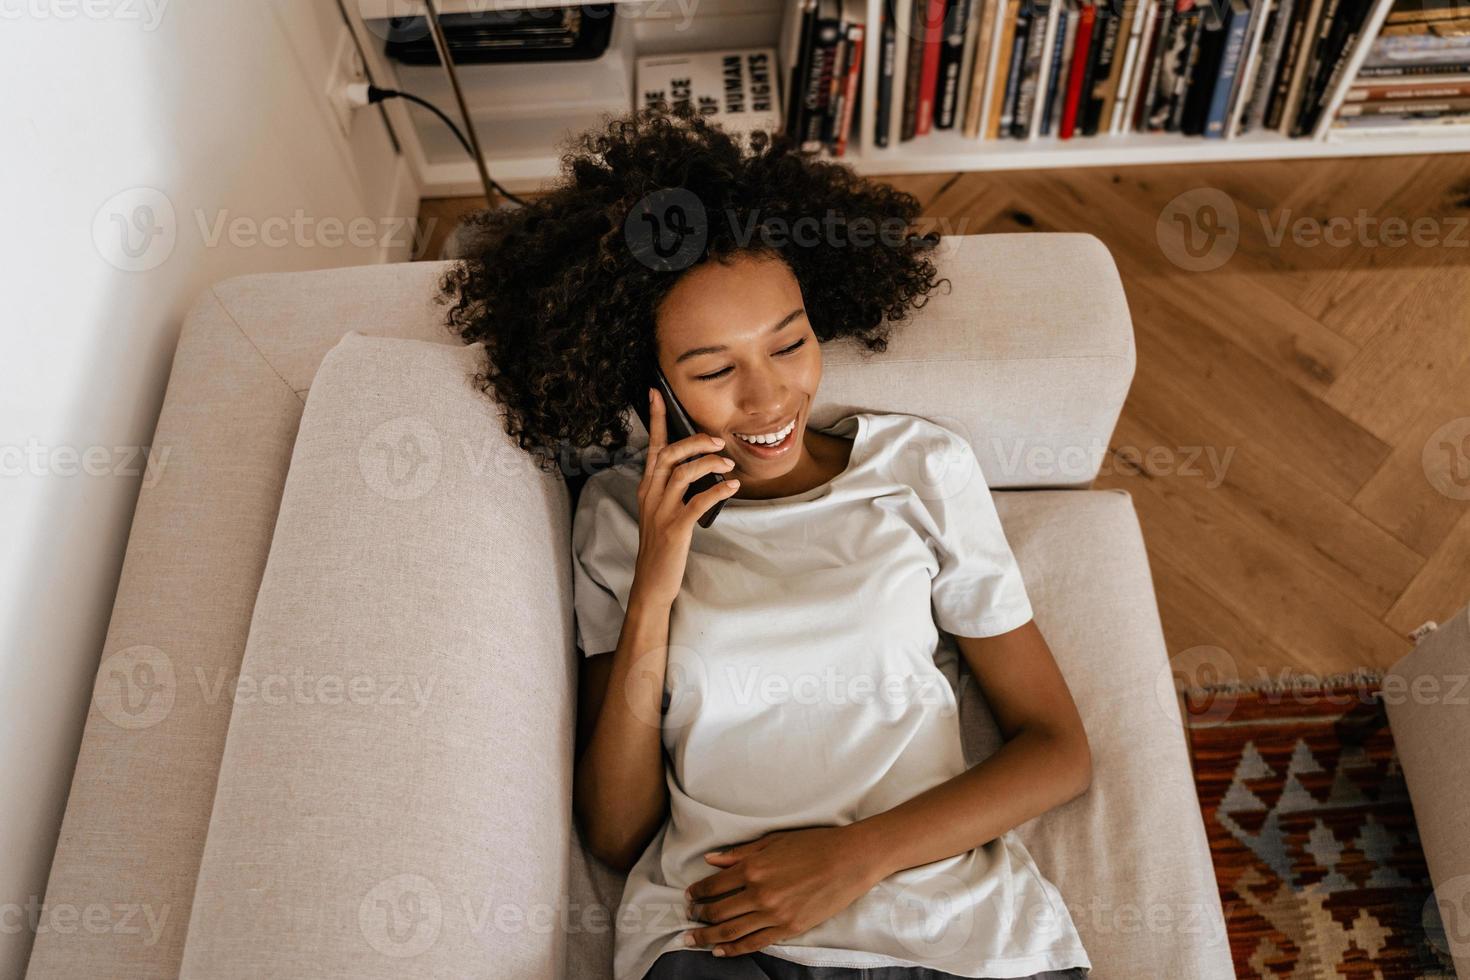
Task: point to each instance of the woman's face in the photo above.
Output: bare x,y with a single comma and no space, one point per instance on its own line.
736,346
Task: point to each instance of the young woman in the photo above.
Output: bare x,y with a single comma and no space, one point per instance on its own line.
814,816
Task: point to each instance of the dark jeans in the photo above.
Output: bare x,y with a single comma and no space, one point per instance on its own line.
701,964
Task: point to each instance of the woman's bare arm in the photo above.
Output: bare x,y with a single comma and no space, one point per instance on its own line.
1044,762
619,796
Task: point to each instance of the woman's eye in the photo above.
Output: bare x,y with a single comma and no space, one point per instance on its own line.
721,373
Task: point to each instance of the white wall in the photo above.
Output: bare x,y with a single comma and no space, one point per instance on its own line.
213,109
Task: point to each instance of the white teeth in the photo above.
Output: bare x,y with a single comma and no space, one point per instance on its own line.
771,439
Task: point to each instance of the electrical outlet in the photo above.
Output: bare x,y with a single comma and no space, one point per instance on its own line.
347,68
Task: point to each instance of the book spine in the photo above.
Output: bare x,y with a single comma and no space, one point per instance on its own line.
1239,17
1001,60
1017,66
1401,71
980,69
929,71
951,57
1102,73
819,81
1100,17
1250,64
1156,108
1343,48
1431,107
1080,51
1190,33
796,91
1386,93
1056,86
1147,72
1031,69
912,69
1277,30
855,35
1134,16
1319,60
887,54
833,82
1296,66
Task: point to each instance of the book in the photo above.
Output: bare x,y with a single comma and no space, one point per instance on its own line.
1005,36
980,73
1102,13
1173,50
1190,28
1134,55
1150,48
951,58
887,60
1066,38
1103,68
1078,68
1237,19
1024,18
736,88
1042,22
848,96
1272,48
1300,59
933,37
796,39
1250,64
1332,74
913,67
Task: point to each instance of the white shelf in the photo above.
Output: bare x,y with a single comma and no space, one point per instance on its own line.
659,27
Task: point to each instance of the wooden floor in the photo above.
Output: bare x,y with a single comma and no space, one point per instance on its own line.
1307,401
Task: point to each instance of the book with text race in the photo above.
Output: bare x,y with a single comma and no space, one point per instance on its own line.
736,88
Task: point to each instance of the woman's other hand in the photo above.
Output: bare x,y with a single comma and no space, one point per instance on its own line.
784,884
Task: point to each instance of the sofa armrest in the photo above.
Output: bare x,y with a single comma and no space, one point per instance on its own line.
1427,698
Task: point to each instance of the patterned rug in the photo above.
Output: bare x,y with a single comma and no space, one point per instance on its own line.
1316,852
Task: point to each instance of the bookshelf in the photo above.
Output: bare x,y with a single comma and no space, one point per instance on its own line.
525,158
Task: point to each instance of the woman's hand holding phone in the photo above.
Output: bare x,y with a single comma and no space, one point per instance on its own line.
665,521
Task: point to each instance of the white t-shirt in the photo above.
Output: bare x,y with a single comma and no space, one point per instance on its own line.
806,687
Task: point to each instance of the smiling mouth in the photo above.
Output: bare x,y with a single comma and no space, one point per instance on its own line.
772,450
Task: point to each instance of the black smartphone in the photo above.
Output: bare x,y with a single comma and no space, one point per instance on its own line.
679,426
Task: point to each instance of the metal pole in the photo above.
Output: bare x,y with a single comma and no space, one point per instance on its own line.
441,43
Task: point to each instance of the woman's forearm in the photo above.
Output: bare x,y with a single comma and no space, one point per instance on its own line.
620,795
1028,775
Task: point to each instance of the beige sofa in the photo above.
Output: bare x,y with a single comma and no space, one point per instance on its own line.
305,835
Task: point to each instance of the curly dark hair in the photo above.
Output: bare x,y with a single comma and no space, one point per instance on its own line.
566,306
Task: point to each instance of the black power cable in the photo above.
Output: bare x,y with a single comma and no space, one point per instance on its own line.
376,94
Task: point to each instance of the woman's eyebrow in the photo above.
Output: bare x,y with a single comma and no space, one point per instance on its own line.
696,351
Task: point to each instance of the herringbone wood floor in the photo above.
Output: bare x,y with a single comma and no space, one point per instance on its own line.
1290,440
